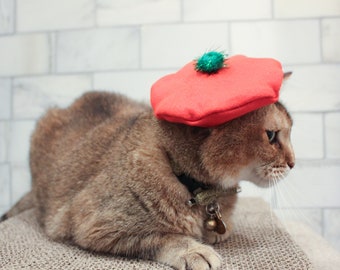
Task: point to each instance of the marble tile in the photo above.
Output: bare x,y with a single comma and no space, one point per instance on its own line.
331,39
21,181
27,54
307,136
313,184
20,133
127,12
135,84
32,96
5,98
168,46
332,225
4,185
291,42
97,50
312,88
4,140
332,126
306,8
6,16
225,10
41,15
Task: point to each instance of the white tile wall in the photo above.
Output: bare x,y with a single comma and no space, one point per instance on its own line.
307,136
225,10
6,16
306,8
135,84
4,185
311,185
20,132
332,129
97,49
168,46
5,99
293,42
331,39
32,96
51,14
332,225
312,88
24,54
4,137
52,51
127,12
21,180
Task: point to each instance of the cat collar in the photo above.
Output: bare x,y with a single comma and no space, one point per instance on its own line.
207,196
213,89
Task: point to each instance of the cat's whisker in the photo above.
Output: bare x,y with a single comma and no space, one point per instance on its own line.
295,213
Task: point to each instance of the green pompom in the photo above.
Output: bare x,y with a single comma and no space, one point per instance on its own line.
210,62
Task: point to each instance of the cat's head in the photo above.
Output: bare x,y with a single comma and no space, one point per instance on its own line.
255,147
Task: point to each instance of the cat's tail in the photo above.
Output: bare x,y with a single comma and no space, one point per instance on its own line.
25,203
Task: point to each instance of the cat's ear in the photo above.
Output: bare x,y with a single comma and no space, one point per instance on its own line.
287,74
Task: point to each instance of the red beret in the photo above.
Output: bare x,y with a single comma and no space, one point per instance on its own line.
212,95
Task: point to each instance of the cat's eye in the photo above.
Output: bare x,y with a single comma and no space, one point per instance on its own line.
271,135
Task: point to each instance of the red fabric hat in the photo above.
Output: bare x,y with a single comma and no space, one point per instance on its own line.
205,93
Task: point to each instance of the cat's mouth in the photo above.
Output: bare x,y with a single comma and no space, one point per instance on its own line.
269,174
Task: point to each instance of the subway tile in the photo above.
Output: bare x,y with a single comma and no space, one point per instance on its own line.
307,136
4,139
313,88
32,96
5,98
332,126
97,50
313,184
6,16
225,10
21,181
127,12
306,8
27,54
42,15
4,185
135,84
20,133
291,42
331,39
168,46
332,225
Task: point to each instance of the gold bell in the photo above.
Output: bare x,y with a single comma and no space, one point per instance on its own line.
210,224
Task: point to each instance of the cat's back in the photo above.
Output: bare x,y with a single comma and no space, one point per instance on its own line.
93,119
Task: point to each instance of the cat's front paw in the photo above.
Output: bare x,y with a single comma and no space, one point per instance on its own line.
188,254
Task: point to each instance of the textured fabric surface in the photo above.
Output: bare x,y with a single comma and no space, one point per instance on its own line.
258,242
198,99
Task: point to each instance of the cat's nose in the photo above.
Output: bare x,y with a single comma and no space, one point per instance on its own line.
291,164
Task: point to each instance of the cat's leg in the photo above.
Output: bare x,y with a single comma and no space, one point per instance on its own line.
186,253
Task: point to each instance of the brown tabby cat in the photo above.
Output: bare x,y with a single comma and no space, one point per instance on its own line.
106,176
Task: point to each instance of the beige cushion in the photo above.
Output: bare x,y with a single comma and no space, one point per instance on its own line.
258,242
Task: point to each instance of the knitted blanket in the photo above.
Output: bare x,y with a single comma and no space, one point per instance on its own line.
258,242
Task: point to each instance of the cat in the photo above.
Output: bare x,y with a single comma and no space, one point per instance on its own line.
110,177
